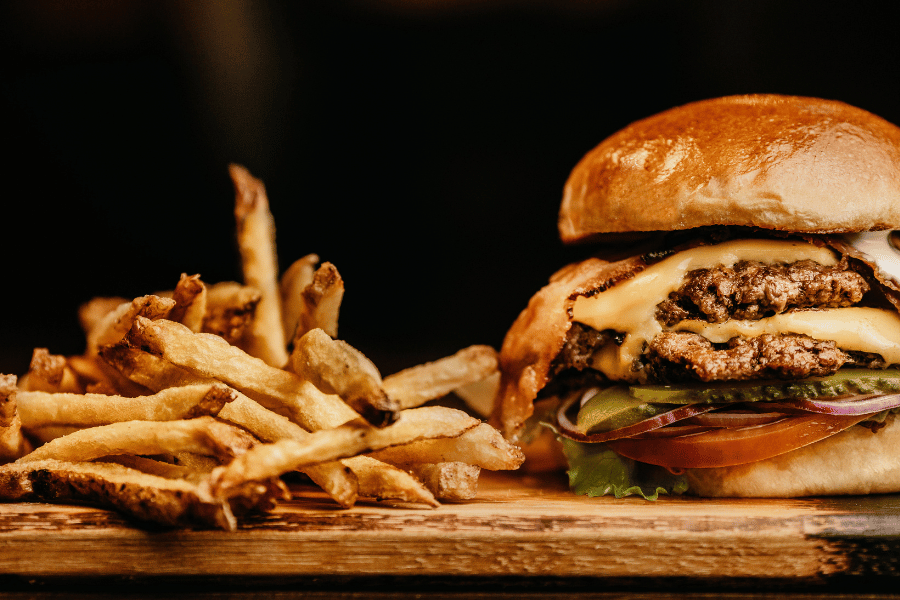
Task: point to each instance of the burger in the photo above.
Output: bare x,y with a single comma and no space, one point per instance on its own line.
735,331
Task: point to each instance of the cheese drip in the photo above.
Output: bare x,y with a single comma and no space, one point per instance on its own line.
630,306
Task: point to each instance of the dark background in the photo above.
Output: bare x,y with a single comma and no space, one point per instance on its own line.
420,146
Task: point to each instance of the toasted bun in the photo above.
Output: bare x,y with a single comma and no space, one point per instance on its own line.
776,162
855,461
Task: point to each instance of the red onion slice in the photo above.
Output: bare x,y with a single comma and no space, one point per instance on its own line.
568,429
735,418
862,404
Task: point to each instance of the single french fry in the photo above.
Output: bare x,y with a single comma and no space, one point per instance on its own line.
230,307
203,435
292,283
94,310
161,500
37,409
211,356
453,481
7,399
350,439
417,385
190,302
50,373
113,327
155,467
256,241
482,446
386,482
321,302
336,367
12,443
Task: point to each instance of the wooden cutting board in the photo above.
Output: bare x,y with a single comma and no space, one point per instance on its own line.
518,525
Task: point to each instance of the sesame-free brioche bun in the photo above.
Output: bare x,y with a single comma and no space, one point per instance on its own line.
856,461
769,161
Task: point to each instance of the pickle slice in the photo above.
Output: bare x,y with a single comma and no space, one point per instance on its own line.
614,408
842,383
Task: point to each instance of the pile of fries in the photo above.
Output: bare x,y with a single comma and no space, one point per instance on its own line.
187,407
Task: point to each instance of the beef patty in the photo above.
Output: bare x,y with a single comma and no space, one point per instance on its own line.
753,290
748,290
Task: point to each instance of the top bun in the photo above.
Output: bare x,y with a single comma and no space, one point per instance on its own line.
775,162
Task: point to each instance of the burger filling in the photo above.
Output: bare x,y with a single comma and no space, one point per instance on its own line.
746,309
753,311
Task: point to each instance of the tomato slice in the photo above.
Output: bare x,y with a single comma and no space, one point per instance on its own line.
734,446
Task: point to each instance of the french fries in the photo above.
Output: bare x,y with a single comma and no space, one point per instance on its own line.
188,407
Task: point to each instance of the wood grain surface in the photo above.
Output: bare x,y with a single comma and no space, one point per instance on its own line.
518,526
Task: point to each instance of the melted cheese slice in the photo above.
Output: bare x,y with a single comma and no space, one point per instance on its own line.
630,307
853,328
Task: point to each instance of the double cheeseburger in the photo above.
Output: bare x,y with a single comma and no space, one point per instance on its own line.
737,332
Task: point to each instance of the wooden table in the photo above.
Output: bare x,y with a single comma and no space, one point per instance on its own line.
522,535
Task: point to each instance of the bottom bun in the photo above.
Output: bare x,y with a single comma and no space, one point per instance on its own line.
856,461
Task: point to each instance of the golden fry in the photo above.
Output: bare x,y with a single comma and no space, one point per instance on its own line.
482,446
230,308
417,385
50,373
336,367
113,327
12,443
256,241
170,502
94,310
293,282
155,467
203,435
7,399
321,302
37,409
386,482
448,481
190,302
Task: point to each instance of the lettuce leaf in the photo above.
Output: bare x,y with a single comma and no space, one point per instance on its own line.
595,470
